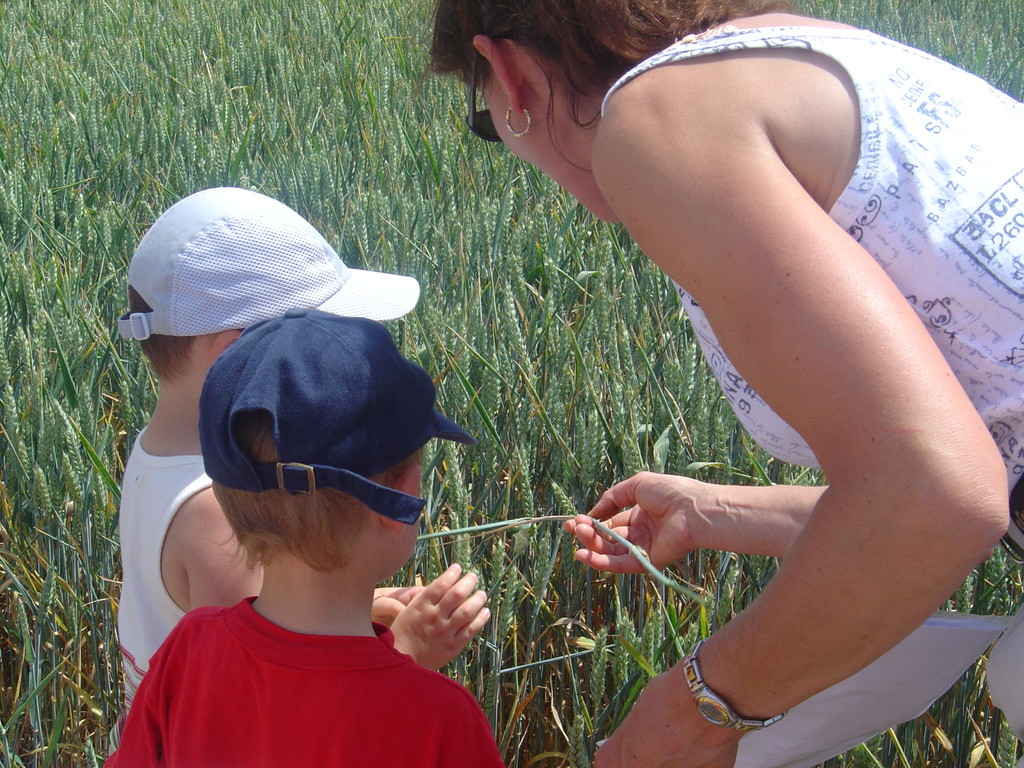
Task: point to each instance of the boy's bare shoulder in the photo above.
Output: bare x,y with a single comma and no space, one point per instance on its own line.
201,562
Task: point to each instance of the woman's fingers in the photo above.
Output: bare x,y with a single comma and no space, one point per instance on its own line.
619,496
611,563
596,541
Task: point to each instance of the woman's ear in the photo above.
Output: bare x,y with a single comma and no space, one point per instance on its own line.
514,69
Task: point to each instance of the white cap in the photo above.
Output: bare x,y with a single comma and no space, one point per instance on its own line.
226,258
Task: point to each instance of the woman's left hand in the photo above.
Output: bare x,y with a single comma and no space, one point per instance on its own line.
665,730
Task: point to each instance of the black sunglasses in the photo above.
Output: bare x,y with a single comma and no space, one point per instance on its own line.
479,121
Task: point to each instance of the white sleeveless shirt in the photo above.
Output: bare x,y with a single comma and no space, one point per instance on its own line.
937,198
152,491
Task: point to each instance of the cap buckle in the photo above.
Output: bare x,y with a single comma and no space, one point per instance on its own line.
134,325
310,476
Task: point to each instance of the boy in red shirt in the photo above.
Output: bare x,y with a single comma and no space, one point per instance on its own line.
312,427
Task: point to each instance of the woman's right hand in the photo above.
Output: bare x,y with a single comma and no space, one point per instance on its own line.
668,516
654,512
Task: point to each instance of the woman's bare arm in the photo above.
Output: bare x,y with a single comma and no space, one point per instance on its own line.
690,157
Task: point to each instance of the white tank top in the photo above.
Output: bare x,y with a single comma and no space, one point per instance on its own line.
937,198
152,491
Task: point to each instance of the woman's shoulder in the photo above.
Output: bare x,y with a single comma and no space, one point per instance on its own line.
786,20
720,51
748,37
797,102
737,86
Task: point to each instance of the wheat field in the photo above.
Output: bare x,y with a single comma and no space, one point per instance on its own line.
550,335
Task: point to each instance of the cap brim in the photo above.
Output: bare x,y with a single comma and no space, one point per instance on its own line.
446,429
374,295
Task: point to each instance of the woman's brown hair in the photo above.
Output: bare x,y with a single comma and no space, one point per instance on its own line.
589,44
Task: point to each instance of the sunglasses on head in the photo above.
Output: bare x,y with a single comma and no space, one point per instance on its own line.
1012,541
1013,550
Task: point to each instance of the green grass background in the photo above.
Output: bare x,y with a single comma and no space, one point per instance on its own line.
550,335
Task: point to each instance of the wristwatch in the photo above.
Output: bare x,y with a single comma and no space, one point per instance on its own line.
713,707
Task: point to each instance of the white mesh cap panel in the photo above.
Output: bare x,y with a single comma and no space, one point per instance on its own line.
239,270
225,258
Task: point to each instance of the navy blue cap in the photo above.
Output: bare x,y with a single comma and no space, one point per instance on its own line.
344,404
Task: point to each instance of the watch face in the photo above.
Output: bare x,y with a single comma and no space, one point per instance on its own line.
713,710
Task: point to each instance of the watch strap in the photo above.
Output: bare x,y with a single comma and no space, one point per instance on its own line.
711,705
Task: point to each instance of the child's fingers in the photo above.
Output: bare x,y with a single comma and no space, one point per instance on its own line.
457,595
473,628
438,588
402,594
385,610
469,609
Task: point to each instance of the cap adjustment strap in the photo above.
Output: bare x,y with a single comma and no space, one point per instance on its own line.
135,325
295,477
291,487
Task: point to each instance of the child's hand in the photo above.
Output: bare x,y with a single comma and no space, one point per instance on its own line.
441,618
388,602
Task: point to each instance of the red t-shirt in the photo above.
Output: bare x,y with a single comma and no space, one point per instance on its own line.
229,688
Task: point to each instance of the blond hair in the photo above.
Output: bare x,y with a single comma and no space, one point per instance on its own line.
320,528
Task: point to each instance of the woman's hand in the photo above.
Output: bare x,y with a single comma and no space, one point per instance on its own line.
656,521
668,516
664,730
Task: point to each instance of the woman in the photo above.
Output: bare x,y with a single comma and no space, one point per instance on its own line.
847,215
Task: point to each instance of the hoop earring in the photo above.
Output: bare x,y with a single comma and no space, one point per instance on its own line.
513,131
